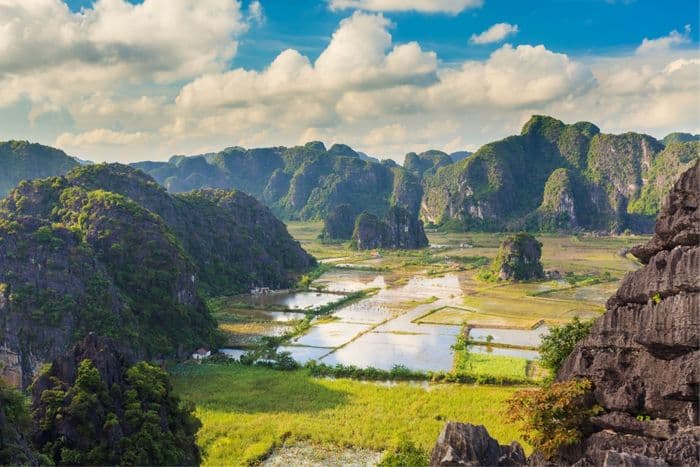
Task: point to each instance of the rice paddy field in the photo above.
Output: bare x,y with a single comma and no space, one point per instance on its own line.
421,302
248,412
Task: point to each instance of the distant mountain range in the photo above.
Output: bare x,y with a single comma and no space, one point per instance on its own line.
552,176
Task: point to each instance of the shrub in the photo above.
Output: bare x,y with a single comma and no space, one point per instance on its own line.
560,342
406,454
554,416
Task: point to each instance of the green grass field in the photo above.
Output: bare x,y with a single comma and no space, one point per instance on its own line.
247,411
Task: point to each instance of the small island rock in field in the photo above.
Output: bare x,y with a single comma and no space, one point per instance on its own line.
339,223
518,258
398,230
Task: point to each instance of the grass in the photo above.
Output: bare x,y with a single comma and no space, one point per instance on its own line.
493,365
247,411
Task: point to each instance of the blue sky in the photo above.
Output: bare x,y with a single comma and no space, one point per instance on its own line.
125,80
575,27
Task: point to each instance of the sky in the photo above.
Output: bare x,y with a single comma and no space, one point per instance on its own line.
118,80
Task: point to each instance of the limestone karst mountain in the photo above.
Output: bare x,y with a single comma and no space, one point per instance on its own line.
107,249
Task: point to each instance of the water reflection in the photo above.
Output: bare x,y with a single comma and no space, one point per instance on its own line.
426,352
292,300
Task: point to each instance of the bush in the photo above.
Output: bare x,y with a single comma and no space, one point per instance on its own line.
405,455
560,342
554,416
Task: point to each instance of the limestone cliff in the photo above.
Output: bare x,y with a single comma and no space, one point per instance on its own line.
643,355
398,230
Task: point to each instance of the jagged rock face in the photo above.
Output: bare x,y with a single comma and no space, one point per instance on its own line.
369,232
403,231
95,405
398,230
558,208
518,258
471,445
340,223
643,354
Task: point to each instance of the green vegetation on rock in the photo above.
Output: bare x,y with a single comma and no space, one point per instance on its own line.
107,250
553,176
302,182
558,344
92,406
518,258
22,160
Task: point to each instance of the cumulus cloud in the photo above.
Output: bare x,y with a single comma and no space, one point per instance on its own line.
662,44
98,137
294,91
424,6
119,100
110,56
495,33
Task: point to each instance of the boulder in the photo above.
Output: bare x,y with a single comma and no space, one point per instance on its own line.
471,445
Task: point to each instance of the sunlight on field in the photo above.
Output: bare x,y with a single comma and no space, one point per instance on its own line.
247,411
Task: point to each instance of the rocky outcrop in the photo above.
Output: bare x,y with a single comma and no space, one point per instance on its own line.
398,230
471,445
642,358
95,405
518,258
643,354
339,224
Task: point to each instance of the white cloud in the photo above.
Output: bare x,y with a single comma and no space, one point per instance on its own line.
495,33
256,14
424,6
114,51
118,100
662,44
99,137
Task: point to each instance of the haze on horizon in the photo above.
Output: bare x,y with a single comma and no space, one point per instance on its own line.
113,80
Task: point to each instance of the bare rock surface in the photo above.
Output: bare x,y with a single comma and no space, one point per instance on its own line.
471,445
643,355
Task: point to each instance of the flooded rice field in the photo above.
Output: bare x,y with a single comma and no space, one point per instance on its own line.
520,337
291,300
413,319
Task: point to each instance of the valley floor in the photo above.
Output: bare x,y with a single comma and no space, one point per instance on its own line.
418,304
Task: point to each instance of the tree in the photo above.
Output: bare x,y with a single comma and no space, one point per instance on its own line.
560,342
554,416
